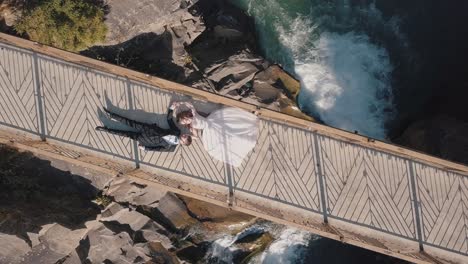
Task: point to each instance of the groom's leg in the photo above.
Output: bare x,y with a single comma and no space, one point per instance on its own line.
140,126
130,134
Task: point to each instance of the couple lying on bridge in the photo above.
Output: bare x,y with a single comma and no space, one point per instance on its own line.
228,134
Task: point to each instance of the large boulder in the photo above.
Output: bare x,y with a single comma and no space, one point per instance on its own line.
123,190
162,206
241,248
441,136
150,36
128,19
173,212
140,227
102,245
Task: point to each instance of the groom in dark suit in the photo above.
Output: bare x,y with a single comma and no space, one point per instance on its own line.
150,136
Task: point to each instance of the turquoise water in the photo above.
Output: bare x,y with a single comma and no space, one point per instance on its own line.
334,48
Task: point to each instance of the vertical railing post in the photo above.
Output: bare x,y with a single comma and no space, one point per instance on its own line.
416,204
229,172
39,97
131,106
320,178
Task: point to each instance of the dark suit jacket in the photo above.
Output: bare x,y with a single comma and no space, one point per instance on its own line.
157,142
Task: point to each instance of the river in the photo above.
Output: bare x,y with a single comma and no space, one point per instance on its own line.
368,66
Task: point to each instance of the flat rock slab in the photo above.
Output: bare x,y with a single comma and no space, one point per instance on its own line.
11,248
123,190
101,244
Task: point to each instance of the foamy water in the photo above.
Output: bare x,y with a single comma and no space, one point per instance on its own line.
288,248
346,77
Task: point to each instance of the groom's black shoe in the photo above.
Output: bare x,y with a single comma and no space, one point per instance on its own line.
100,128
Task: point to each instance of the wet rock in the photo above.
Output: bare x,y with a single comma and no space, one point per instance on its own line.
249,246
160,254
441,136
276,89
193,253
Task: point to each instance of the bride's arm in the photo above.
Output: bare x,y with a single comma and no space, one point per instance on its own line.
194,132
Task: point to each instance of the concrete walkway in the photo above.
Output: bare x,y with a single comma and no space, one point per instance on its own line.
333,183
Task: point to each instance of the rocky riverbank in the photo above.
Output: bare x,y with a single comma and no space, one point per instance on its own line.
51,216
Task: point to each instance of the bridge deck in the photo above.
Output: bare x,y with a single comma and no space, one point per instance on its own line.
371,194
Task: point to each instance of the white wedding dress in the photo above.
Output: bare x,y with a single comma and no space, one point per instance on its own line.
229,134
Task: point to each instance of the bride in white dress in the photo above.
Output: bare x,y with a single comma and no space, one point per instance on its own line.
228,134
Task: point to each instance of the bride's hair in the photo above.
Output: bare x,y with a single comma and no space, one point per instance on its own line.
184,114
188,140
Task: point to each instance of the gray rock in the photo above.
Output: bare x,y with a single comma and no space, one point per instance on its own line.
235,72
12,248
101,244
124,190
111,209
60,239
127,19
34,238
72,258
56,243
172,21
139,225
174,212
165,207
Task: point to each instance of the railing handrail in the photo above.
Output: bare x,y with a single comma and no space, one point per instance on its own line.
214,98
